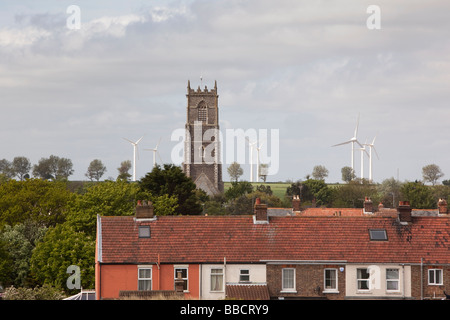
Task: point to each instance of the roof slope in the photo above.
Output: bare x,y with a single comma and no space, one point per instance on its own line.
203,239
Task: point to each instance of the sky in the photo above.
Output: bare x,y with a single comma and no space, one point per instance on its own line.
304,69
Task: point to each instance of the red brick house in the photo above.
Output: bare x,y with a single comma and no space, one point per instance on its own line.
368,256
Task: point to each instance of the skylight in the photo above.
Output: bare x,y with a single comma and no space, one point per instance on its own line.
144,232
378,234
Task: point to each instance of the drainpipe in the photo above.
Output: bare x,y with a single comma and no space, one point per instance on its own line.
159,274
421,278
225,276
403,280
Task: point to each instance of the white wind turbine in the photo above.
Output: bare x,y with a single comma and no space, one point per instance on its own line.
251,145
155,151
371,146
363,150
135,144
353,140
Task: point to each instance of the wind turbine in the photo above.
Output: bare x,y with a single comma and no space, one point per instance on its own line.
363,150
371,146
352,141
251,145
135,144
155,151
257,161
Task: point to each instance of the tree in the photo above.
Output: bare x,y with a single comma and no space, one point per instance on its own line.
21,240
419,195
238,189
171,180
54,168
95,170
348,174
390,190
125,166
21,166
235,171
6,169
38,200
352,195
61,247
320,173
432,173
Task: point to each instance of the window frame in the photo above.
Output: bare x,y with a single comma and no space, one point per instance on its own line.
435,272
185,279
144,279
360,280
397,280
212,279
288,289
244,275
372,235
335,289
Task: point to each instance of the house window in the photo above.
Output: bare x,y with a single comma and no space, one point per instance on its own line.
435,277
183,271
144,232
362,277
244,275
288,279
378,234
392,280
144,279
330,280
217,279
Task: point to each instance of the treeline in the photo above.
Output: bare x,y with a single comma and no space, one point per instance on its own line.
55,168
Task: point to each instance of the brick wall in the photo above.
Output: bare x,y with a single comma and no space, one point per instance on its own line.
307,280
429,291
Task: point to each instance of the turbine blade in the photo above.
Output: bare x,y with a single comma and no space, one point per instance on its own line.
357,125
159,156
340,144
376,152
139,140
128,140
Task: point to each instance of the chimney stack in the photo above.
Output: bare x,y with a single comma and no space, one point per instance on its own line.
296,203
368,205
144,210
404,212
442,205
260,212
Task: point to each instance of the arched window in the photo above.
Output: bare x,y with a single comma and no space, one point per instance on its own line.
202,111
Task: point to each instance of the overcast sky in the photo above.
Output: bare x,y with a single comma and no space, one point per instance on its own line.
304,68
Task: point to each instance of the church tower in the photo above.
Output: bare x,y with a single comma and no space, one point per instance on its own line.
202,143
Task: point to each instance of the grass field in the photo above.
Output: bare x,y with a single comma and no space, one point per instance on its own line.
278,189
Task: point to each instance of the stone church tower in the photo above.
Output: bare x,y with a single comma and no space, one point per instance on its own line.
202,143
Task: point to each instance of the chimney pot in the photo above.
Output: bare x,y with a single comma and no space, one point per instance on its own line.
404,212
442,205
368,205
260,211
144,211
296,203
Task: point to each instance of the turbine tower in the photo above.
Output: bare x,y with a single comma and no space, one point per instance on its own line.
371,146
135,144
251,146
363,150
155,151
257,161
353,140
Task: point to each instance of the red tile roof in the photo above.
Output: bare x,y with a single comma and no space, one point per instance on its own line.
248,292
203,239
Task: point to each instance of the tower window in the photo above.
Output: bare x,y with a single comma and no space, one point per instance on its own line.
202,112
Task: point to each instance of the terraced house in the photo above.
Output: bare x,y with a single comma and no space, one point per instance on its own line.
334,254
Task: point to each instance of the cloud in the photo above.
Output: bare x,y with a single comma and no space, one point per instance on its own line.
306,68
